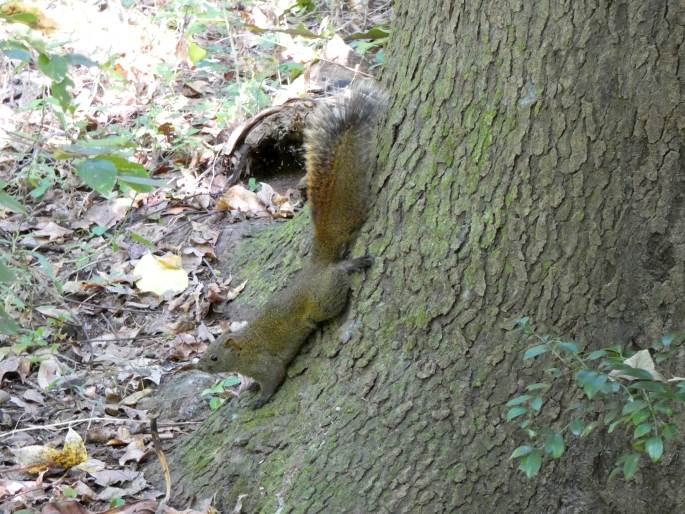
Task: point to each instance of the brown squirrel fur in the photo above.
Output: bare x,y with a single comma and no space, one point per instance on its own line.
340,158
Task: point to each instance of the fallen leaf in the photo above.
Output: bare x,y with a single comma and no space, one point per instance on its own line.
233,293
33,396
135,450
161,275
74,451
54,312
108,477
237,198
8,365
36,457
134,398
64,507
52,231
137,485
48,372
109,213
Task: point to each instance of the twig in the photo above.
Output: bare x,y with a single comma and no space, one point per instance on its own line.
87,420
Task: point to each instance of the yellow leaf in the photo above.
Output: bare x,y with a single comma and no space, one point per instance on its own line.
161,275
196,53
73,453
39,458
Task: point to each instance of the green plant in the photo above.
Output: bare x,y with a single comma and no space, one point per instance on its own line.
617,388
216,394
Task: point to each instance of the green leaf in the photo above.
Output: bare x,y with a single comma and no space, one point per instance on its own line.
69,492
555,372
597,354
649,385
554,445
215,402
530,464
26,18
536,403
642,429
640,416
6,274
98,230
535,351
522,323
96,148
7,324
633,372
668,431
521,451
142,184
515,412
230,382
568,347
537,386
633,406
55,66
654,447
576,427
518,400
11,204
15,50
140,239
630,465
196,53
133,175
59,91
615,472
252,184
99,174
377,32
79,60
41,188
590,381
116,502
588,429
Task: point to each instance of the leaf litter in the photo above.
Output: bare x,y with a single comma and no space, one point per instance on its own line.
123,287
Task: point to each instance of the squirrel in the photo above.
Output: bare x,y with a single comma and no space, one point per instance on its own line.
339,158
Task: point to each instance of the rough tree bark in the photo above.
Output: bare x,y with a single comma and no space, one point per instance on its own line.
531,164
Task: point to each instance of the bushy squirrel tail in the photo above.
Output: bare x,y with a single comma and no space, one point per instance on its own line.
340,158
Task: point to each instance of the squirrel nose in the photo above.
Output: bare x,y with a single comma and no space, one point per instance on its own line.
215,358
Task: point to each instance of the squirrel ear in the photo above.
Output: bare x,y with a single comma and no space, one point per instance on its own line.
233,344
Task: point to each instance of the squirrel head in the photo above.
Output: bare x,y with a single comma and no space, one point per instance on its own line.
222,355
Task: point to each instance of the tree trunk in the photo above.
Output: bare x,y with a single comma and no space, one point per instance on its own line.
531,164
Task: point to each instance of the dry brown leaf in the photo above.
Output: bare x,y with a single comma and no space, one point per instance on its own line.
64,507
9,365
33,396
52,231
48,372
109,213
141,507
237,198
134,398
135,450
233,293
108,477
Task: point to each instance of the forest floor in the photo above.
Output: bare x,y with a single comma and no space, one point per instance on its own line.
127,137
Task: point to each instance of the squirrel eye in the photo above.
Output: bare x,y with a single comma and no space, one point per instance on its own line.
214,358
